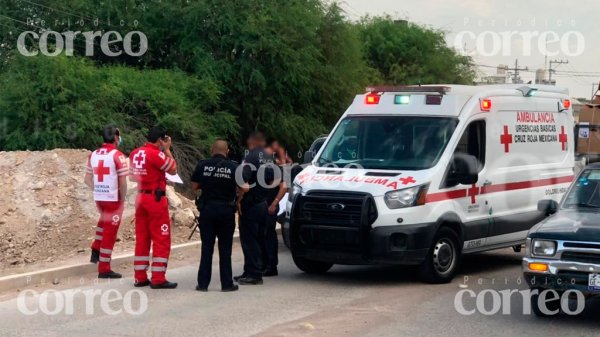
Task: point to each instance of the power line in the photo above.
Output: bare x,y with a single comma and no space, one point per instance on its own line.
68,12
45,29
559,72
550,70
23,22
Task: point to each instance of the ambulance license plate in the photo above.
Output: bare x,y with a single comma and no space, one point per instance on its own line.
594,282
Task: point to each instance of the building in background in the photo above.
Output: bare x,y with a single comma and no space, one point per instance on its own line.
501,76
541,77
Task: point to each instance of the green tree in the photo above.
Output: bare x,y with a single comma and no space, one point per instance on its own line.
62,102
406,53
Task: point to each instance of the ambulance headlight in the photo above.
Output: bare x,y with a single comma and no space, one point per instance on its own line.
408,197
543,248
296,189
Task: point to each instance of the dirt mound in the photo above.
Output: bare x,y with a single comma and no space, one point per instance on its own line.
47,214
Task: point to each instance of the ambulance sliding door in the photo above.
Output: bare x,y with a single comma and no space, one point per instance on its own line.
519,137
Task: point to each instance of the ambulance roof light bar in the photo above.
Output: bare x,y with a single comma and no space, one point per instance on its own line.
528,91
410,89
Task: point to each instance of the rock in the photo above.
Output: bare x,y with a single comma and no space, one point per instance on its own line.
184,217
307,326
46,214
174,200
38,185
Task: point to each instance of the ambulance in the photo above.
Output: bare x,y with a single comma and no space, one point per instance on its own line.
420,175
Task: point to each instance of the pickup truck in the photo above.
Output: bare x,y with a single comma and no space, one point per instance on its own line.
563,251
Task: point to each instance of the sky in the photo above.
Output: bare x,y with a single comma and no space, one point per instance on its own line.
498,32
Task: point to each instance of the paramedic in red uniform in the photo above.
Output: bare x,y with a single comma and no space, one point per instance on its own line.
149,164
106,175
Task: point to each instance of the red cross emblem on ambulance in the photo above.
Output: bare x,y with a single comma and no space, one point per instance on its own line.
506,139
473,192
562,138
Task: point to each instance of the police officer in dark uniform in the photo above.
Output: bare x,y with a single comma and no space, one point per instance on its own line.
253,207
216,178
275,192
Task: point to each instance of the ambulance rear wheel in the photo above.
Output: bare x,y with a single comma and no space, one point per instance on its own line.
311,266
443,258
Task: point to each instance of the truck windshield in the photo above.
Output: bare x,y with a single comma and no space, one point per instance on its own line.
388,142
585,192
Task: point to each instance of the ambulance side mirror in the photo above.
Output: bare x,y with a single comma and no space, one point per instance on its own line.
465,169
308,156
548,207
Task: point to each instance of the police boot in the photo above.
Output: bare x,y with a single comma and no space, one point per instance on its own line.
250,281
272,271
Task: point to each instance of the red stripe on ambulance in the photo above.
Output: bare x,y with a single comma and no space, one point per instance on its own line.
519,185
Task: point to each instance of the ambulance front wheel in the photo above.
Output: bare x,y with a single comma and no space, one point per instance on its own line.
311,266
443,258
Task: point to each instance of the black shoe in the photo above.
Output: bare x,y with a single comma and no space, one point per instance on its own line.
111,274
142,284
204,290
234,287
250,281
164,285
95,258
237,278
270,272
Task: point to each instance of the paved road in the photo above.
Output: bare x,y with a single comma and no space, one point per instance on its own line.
348,301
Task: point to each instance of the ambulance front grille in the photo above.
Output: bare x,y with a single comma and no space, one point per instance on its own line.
333,209
329,219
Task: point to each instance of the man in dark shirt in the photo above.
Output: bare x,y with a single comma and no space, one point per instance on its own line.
275,192
253,206
216,178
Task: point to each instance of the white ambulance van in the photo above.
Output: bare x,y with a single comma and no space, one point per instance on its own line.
419,175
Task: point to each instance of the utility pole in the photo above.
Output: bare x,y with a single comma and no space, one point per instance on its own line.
550,70
515,72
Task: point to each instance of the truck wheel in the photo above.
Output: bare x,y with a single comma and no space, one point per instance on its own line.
443,258
550,305
311,266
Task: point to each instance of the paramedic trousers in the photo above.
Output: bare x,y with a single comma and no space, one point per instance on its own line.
252,235
152,232
216,222
270,244
111,213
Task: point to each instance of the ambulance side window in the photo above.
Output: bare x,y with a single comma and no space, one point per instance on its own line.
472,142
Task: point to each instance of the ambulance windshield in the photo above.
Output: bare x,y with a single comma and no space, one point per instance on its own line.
388,142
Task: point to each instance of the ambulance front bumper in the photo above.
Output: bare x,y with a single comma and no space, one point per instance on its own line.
338,227
386,245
